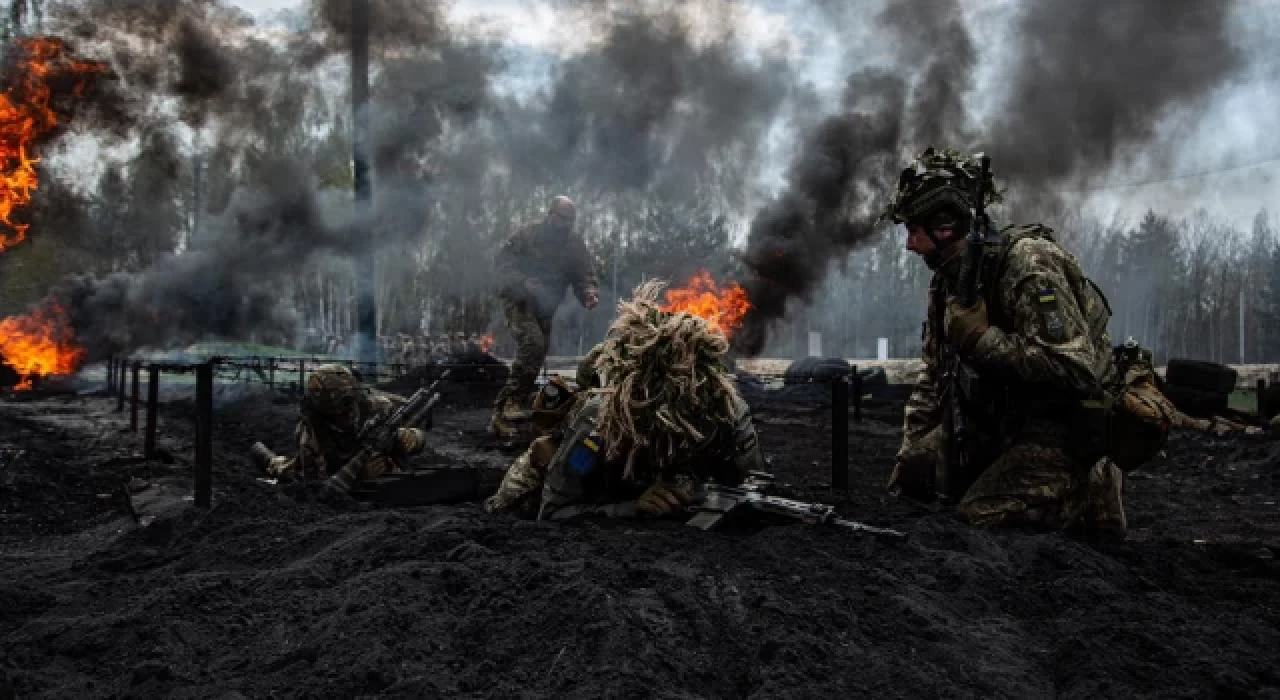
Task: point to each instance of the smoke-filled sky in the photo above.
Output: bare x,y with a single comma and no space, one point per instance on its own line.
791,117
1232,125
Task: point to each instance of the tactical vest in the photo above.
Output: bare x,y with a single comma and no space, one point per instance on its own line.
995,258
998,409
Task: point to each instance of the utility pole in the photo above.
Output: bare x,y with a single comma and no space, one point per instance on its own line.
1242,325
366,272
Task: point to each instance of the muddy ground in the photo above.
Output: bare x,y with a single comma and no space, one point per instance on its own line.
269,594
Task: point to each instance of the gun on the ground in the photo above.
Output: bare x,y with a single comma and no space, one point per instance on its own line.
381,434
721,501
958,377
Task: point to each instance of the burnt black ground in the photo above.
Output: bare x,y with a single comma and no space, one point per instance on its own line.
270,595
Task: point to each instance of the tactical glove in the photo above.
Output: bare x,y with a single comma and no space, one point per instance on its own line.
664,497
411,440
965,326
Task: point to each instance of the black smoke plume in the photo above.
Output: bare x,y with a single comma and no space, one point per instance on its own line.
1090,85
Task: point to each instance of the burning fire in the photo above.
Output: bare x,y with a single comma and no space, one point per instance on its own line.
40,79
723,309
28,114
38,344
486,343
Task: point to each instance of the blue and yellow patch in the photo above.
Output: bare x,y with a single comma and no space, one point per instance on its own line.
583,456
1047,296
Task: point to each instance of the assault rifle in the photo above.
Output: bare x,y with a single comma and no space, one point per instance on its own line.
958,378
719,502
381,433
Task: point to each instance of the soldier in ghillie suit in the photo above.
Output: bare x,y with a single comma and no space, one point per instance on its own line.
533,268
334,408
1026,367
656,413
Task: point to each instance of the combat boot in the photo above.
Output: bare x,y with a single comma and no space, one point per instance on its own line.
500,424
1106,495
262,456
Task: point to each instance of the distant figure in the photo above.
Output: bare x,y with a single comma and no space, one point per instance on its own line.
533,268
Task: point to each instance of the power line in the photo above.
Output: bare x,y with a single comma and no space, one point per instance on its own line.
1175,178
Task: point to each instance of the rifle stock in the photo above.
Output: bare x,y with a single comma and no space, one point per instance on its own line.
957,377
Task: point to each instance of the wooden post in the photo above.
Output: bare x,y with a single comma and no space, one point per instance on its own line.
111,373
153,398
840,434
120,388
857,394
204,435
133,403
302,376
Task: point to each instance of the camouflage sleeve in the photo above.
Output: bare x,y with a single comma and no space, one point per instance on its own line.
747,456
582,272
506,264
310,461
1049,341
924,408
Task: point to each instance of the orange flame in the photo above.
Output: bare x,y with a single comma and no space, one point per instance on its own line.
722,309
486,343
27,114
39,344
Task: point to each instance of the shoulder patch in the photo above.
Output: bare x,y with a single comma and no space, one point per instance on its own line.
1055,326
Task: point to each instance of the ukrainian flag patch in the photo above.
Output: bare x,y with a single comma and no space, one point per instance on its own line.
1047,296
583,456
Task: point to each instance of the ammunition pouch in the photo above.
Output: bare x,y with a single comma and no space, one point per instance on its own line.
1089,429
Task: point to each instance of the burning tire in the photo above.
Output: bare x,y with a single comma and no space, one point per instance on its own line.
8,376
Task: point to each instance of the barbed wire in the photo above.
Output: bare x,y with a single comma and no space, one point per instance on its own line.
1174,178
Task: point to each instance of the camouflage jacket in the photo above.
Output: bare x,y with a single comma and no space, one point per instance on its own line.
324,447
580,480
537,253
1048,334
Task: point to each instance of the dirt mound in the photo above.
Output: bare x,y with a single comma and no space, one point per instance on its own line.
272,592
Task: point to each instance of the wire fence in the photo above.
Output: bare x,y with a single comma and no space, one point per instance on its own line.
288,374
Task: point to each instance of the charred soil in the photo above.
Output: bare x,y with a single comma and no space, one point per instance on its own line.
272,594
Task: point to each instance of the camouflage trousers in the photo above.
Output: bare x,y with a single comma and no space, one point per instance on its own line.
521,490
1038,484
532,333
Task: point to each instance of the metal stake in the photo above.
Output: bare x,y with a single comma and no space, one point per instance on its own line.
204,435
153,395
840,434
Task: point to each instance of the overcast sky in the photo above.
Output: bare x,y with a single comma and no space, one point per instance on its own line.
1238,126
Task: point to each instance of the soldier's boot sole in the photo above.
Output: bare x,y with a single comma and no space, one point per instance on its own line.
499,427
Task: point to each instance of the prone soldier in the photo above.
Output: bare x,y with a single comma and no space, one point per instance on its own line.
608,448
335,407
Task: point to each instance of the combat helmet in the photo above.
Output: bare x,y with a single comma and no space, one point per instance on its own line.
551,405
938,182
332,391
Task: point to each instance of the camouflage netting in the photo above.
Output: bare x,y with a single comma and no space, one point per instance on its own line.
666,384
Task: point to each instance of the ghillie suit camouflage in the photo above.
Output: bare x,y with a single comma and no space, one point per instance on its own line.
665,415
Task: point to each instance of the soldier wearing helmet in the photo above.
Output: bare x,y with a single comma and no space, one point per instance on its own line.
334,408
1035,349
533,268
